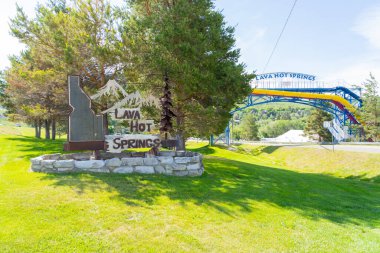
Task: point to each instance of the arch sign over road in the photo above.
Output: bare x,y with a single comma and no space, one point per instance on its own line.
341,101
285,75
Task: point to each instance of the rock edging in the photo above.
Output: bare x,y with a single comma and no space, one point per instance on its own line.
173,163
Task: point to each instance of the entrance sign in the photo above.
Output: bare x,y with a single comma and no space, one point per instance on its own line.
83,120
136,126
86,129
126,114
285,75
119,143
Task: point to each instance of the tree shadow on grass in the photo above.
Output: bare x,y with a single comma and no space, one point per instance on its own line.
33,147
270,149
230,185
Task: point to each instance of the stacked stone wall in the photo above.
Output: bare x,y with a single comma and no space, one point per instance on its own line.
174,163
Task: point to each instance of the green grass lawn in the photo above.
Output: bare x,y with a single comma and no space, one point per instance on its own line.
253,201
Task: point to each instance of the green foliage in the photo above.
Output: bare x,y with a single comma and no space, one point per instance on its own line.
75,37
371,109
271,129
314,125
272,120
191,42
247,129
139,43
5,99
3,86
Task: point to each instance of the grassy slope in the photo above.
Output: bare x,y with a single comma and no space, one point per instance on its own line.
365,166
243,203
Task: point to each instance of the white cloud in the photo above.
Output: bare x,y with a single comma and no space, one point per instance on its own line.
367,25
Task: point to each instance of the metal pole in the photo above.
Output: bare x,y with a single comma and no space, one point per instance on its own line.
232,129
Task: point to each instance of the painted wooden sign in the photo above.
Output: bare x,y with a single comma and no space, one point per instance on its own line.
86,128
134,117
128,109
119,143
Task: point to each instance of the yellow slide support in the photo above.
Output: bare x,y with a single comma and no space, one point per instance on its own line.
307,95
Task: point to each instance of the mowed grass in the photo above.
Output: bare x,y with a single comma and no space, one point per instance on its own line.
243,203
360,165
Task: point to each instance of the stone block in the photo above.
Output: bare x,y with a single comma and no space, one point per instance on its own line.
150,161
81,156
114,162
168,172
91,164
123,170
144,169
99,170
64,164
194,166
135,161
180,153
66,157
181,159
148,155
36,167
189,153
165,159
67,169
48,164
180,173
36,161
195,159
159,169
178,166
52,156
193,173
168,169
47,170
166,153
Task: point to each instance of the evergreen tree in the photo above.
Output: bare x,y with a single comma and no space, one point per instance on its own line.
371,109
3,85
167,114
314,125
76,37
248,129
190,41
37,93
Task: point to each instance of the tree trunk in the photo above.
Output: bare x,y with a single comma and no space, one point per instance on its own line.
180,142
53,129
105,124
180,134
36,128
47,129
39,124
105,116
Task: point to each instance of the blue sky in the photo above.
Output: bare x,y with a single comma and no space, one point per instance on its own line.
332,39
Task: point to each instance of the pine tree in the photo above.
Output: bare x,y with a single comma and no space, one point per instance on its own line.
314,125
191,41
371,109
167,114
